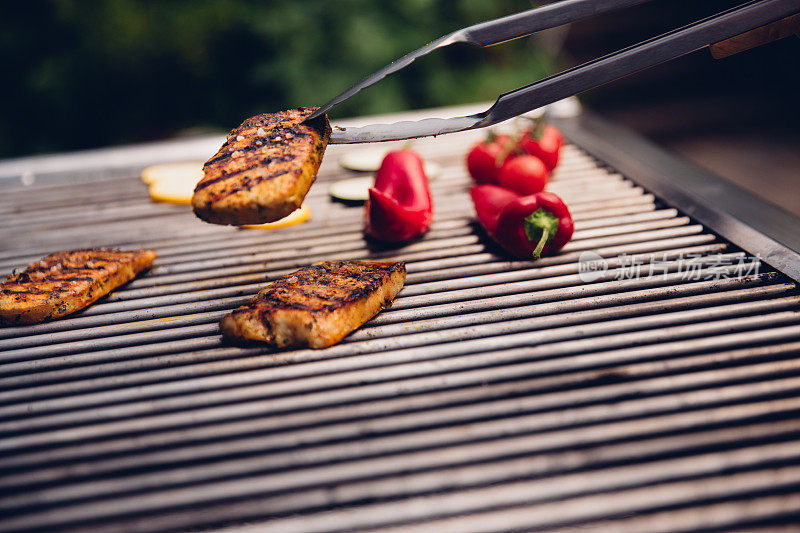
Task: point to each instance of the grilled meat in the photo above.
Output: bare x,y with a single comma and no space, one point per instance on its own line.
65,282
264,169
317,305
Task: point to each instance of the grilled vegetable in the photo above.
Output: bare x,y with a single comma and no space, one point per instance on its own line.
524,174
399,206
485,158
65,282
543,141
264,170
352,189
370,159
317,305
526,226
297,217
173,182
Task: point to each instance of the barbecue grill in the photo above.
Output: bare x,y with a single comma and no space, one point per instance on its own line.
644,379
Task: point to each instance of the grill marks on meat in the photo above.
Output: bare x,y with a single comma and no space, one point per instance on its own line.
65,282
317,305
264,170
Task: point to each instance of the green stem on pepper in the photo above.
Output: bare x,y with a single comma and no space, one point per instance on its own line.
541,226
537,252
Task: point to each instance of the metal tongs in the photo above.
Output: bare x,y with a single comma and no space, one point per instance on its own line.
706,32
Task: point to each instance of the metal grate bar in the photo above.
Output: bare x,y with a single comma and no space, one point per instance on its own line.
494,391
403,302
22,336
512,322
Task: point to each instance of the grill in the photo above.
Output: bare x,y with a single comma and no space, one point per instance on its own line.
657,392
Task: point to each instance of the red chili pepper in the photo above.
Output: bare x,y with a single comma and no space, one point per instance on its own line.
399,207
524,225
543,141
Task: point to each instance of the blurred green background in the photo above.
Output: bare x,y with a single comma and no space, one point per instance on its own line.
80,74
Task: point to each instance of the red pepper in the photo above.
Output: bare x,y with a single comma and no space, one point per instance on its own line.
524,226
543,141
399,207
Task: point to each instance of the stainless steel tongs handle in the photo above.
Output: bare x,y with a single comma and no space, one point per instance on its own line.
492,32
638,57
583,77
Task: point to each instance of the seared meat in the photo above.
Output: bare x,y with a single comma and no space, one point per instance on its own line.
65,282
264,169
317,305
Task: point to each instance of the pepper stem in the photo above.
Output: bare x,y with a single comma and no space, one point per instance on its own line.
540,227
537,252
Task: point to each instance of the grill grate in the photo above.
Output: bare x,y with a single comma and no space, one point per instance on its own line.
493,395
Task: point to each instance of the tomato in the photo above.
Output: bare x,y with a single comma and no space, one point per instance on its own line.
546,147
524,174
483,158
482,162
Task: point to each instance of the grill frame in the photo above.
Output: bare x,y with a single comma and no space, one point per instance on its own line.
344,437
760,228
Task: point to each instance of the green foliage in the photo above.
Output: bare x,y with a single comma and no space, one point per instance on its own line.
81,74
